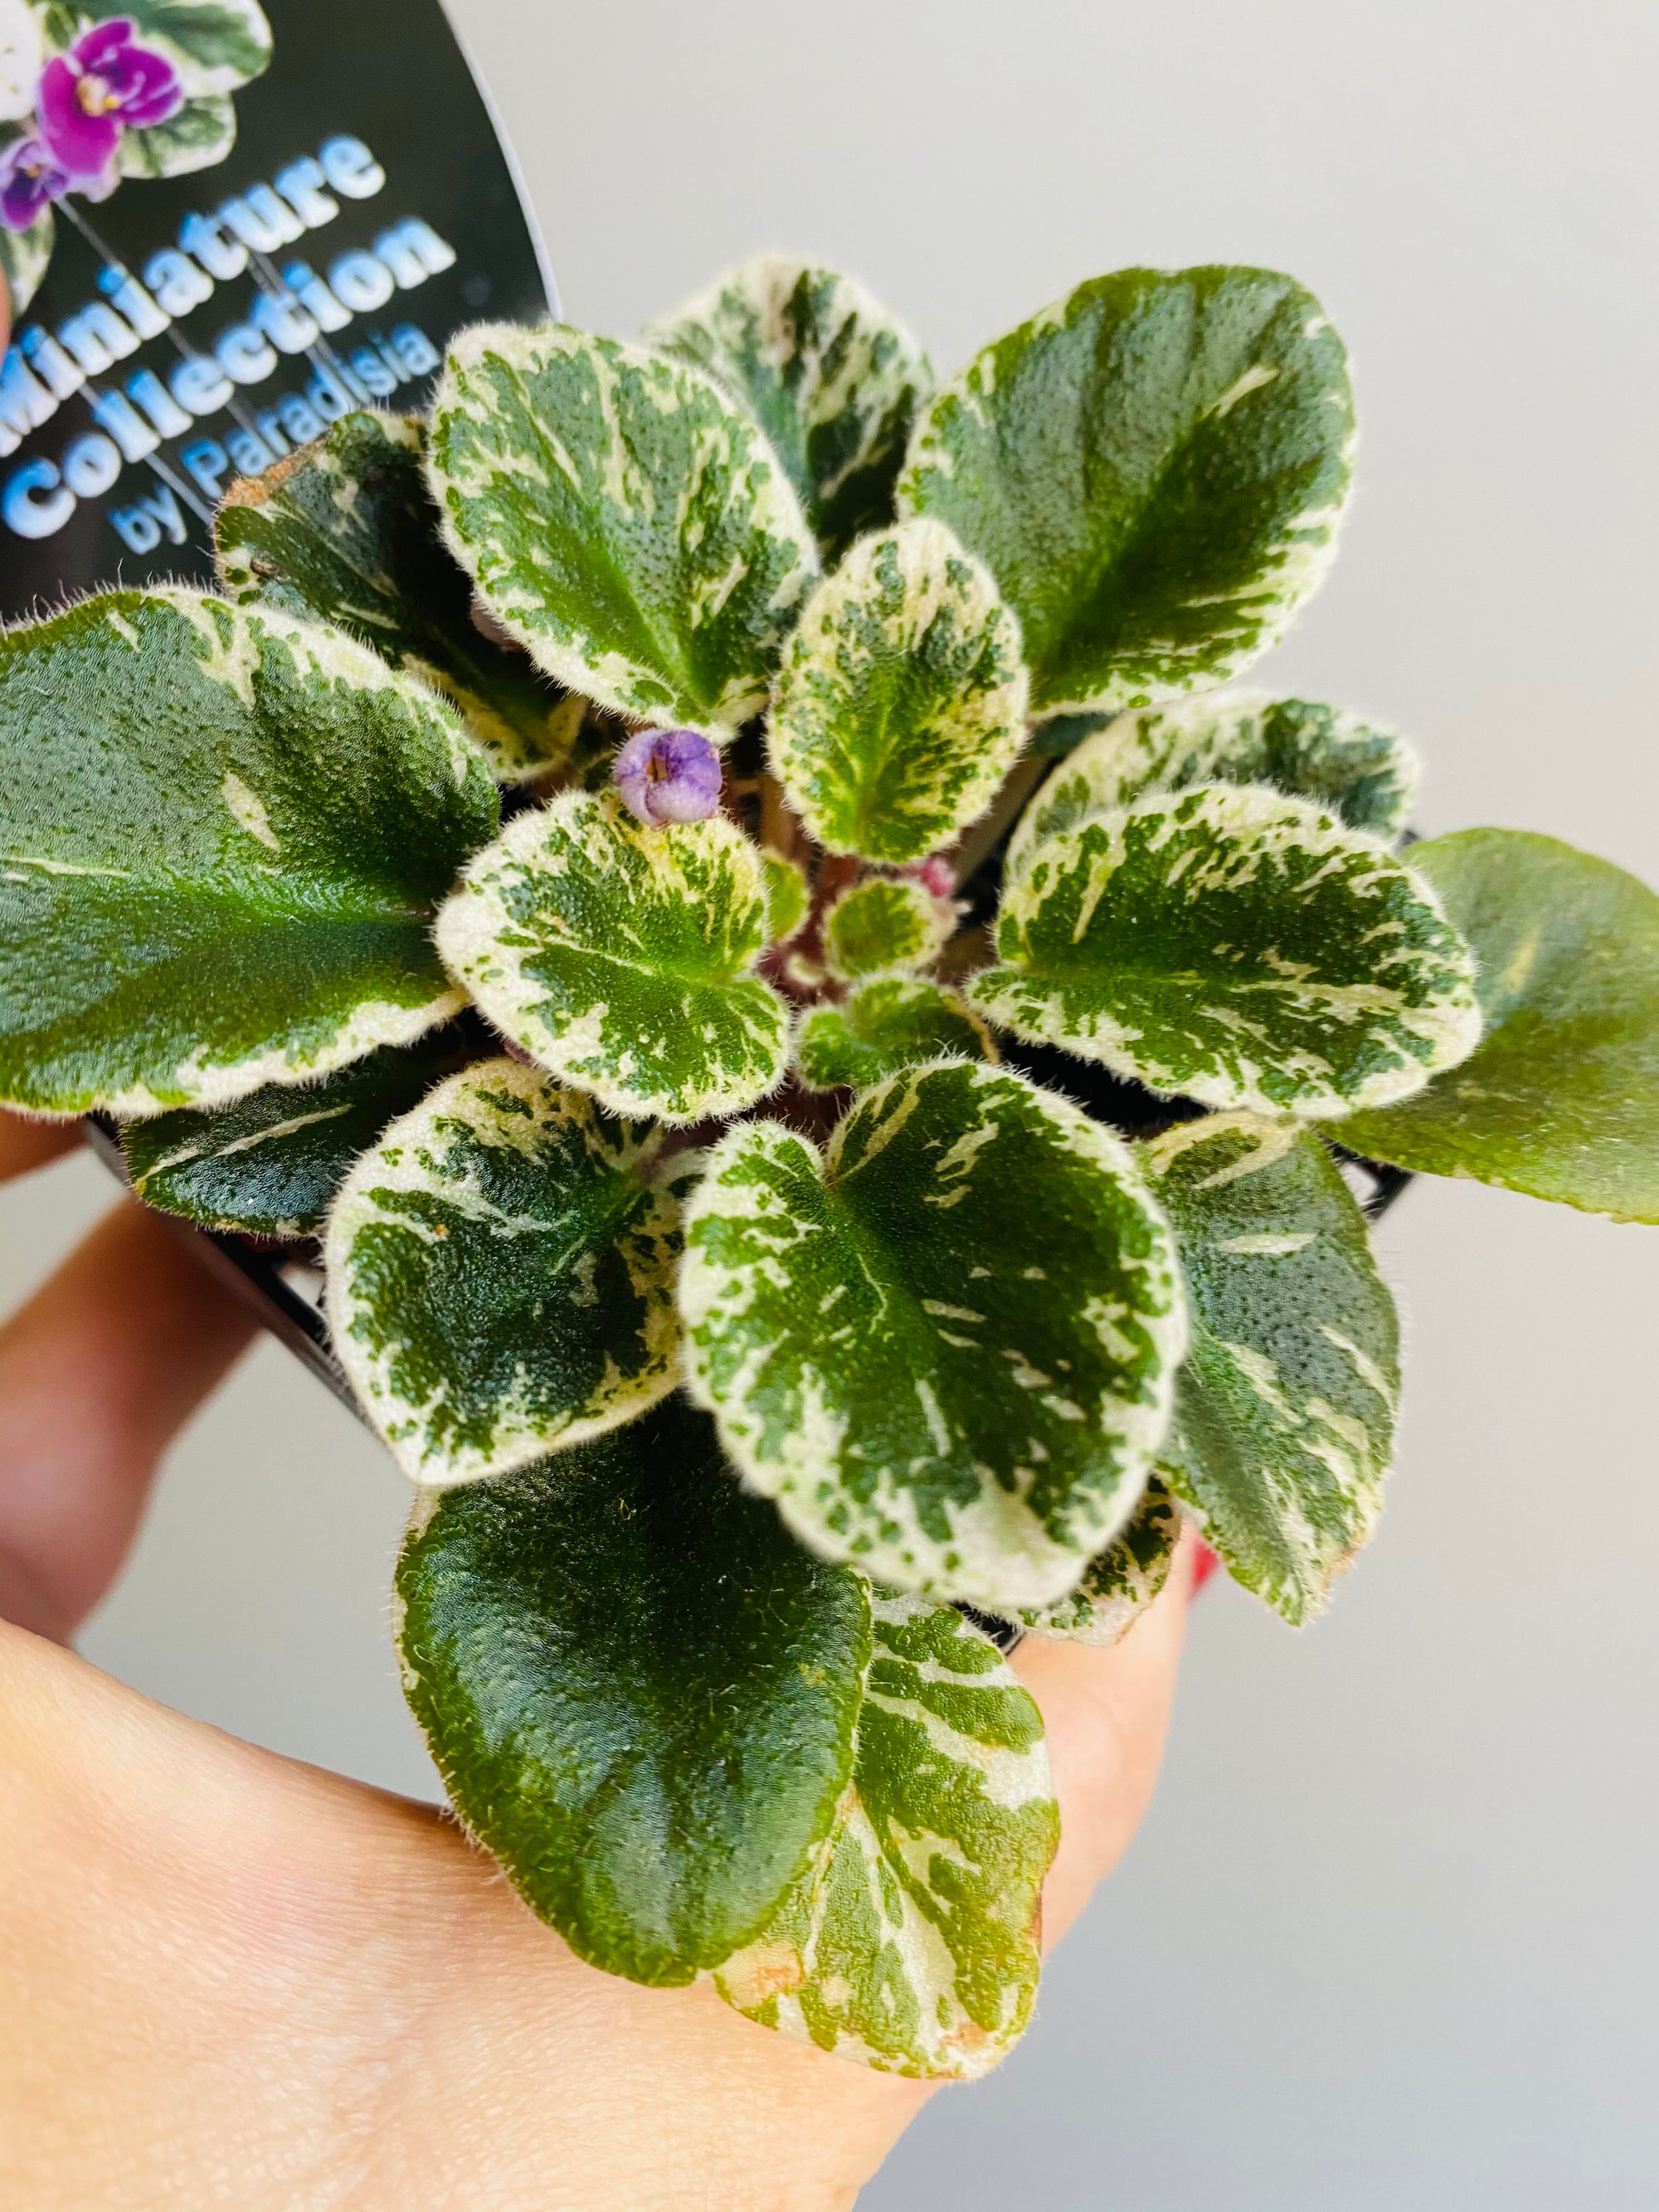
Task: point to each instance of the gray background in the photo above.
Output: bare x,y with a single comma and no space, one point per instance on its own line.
1389,1937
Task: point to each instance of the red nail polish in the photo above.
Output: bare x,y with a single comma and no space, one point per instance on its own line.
1203,1567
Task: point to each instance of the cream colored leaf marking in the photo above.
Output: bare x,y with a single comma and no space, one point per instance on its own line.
832,378
622,517
1155,468
1237,946
886,1024
900,704
223,865
1286,1408
1357,768
822,1303
883,926
911,1944
619,957
1120,1582
501,1276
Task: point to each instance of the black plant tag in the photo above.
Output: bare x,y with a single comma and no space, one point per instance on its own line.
297,204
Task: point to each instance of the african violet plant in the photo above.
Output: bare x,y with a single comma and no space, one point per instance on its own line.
642,866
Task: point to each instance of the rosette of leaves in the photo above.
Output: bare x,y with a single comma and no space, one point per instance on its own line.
768,1313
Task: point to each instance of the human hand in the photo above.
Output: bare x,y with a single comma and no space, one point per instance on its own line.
228,1979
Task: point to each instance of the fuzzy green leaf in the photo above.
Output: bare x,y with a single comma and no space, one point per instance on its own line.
1285,1410
623,517
832,377
946,1348
1122,1581
619,957
222,832
501,1276
1357,770
901,702
640,1692
1235,945
1154,469
788,898
894,1022
1562,1098
346,529
270,1164
912,1944
883,924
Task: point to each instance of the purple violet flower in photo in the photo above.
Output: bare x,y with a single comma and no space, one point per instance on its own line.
103,85
669,775
30,179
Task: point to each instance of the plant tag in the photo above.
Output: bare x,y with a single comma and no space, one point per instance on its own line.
282,214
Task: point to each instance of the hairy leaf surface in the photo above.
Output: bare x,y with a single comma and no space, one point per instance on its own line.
1122,1581
1235,945
1562,1098
501,1275
912,1943
222,832
902,700
890,1023
946,1348
788,900
1356,769
1154,469
884,923
640,1692
623,517
1285,1409
618,956
832,377
271,1164
346,529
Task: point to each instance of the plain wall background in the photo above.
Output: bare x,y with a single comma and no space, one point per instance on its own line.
1389,1937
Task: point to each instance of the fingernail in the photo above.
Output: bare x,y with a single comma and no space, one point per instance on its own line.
1204,1565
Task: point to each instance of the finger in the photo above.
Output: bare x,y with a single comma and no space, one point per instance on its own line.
25,1144
98,1372
1106,1715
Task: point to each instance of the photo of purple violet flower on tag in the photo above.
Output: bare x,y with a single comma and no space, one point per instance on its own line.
85,105
107,82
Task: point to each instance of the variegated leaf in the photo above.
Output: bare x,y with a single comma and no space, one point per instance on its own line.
1285,1409
271,1164
832,377
883,924
890,1023
1235,945
198,135
25,257
1562,1098
1122,1581
501,1276
346,529
223,833
902,700
618,956
640,1692
788,898
1154,469
1357,769
214,46
623,517
946,1348
913,1942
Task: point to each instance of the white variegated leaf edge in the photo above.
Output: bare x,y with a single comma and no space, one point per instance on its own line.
1008,1561
602,678
1013,1778
335,658
1451,1026
355,1207
470,929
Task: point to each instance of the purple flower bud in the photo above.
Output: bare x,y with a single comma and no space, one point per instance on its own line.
669,775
